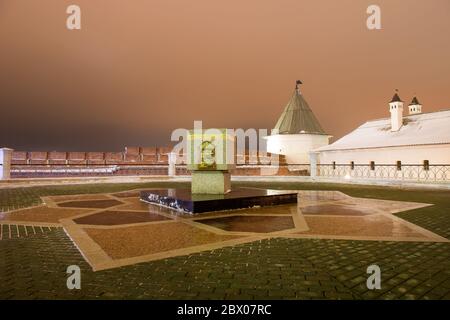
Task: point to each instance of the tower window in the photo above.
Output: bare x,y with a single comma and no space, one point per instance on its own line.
426,165
372,165
399,165
334,165
352,165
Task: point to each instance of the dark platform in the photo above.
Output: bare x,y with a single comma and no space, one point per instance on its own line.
238,198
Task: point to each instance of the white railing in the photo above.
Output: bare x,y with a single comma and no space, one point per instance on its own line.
430,173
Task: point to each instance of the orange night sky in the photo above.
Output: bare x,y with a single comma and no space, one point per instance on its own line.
139,69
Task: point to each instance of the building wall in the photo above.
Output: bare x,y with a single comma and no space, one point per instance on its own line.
296,147
435,154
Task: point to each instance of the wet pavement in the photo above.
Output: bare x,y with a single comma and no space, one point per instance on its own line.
325,255
259,224
112,218
116,229
90,204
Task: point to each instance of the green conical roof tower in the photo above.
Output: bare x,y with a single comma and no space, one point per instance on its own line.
298,117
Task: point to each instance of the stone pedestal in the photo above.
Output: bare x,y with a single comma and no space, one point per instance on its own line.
5,163
210,182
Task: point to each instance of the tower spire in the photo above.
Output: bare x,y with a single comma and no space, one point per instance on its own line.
297,86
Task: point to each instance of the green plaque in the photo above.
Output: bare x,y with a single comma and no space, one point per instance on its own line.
211,154
211,149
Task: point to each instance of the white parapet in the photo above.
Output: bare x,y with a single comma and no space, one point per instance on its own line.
5,163
172,164
313,157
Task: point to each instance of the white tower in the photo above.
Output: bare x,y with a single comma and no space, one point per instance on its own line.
297,131
415,107
396,109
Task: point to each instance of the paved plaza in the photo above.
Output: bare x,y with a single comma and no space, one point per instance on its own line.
316,249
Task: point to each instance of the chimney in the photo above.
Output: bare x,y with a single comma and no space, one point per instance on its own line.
415,107
396,109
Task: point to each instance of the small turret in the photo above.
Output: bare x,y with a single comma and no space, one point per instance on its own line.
415,107
396,109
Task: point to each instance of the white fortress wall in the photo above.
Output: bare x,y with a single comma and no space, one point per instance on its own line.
435,154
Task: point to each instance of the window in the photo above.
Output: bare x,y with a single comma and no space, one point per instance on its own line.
352,165
372,165
334,165
399,165
426,165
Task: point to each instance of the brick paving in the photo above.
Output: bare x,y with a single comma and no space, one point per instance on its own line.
11,231
35,268
435,218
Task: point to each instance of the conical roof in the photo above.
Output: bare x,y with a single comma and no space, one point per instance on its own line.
414,101
298,117
396,98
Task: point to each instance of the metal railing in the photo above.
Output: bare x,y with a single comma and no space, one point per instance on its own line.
408,172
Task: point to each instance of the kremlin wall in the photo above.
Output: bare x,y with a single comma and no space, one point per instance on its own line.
132,161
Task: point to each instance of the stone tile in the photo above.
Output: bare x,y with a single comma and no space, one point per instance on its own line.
41,214
135,203
112,218
99,204
149,239
260,224
369,226
74,197
338,210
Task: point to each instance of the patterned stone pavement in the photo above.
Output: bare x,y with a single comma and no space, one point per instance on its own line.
113,230
35,268
36,251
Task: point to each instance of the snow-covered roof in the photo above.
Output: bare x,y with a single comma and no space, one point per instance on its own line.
417,129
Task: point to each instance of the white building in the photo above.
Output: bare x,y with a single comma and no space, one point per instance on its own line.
297,131
417,138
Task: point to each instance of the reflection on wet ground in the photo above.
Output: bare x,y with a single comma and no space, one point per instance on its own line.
250,223
318,196
338,210
367,226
